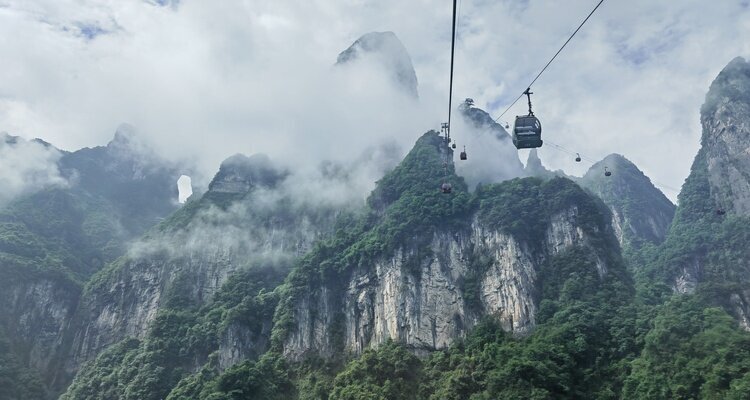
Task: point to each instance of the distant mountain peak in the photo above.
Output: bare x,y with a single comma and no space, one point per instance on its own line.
125,134
390,52
640,211
534,164
6,138
483,120
239,174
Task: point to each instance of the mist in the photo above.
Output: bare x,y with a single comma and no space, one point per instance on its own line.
204,81
27,166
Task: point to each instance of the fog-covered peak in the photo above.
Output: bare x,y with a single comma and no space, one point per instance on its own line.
386,49
240,173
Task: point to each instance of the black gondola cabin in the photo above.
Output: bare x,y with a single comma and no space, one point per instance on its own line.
527,132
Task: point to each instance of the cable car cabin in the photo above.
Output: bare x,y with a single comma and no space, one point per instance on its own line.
446,188
578,157
527,132
463,155
607,172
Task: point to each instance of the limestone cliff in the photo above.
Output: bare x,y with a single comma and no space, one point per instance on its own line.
726,137
706,250
430,286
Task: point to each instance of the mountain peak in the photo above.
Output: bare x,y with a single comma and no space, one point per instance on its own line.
534,166
640,211
386,49
239,174
424,169
725,117
732,85
6,138
482,120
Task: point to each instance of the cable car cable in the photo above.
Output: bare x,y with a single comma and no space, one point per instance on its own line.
552,59
453,47
591,161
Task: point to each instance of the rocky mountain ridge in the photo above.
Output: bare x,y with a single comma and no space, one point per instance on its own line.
247,284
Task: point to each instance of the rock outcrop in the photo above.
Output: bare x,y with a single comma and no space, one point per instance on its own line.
726,137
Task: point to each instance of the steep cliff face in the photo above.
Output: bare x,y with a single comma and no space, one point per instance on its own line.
245,219
35,316
427,308
706,249
640,212
726,137
448,265
76,213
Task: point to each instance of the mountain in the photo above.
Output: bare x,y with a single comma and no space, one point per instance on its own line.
268,286
416,266
705,250
641,213
248,225
431,266
81,213
517,290
385,50
697,344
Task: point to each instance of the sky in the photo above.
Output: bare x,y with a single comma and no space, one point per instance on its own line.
205,80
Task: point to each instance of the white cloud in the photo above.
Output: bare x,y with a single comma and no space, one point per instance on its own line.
26,166
216,78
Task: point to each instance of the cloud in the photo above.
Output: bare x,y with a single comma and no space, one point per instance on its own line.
26,166
215,78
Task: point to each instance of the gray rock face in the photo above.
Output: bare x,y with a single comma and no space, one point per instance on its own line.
726,137
37,313
716,196
725,117
425,306
127,303
387,50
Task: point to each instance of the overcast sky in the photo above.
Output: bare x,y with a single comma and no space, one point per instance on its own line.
210,79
